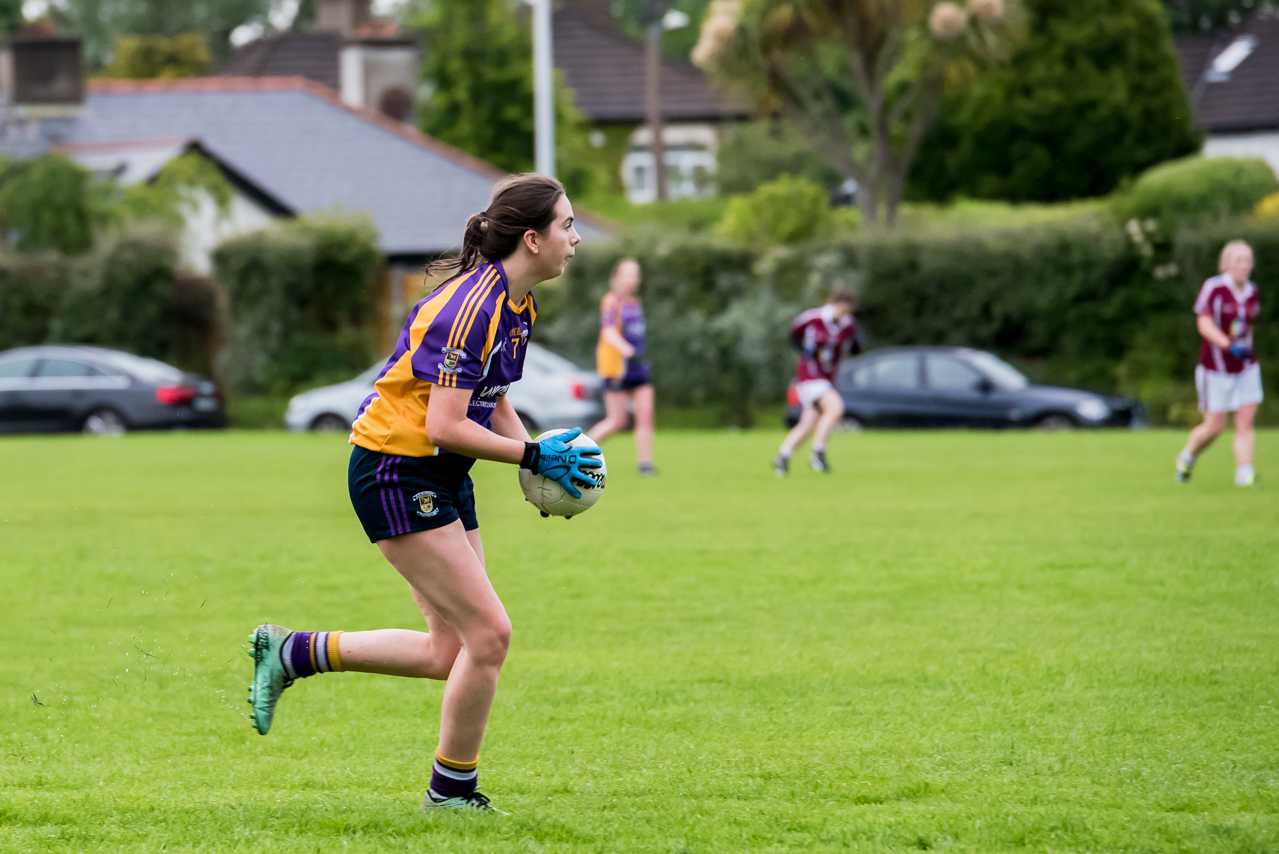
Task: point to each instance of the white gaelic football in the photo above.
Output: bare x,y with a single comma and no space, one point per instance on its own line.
549,497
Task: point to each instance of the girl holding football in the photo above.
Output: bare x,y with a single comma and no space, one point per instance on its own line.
619,359
1227,377
438,406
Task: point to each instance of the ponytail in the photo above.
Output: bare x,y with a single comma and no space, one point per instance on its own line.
520,203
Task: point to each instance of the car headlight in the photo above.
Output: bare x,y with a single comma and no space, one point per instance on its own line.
1092,409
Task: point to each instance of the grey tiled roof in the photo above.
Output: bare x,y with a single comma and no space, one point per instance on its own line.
1248,98
605,69
303,147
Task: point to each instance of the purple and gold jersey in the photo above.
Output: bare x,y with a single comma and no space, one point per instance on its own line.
467,334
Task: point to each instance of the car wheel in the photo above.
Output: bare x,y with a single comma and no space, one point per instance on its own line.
849,424
104,422
1055,421
529,424
330,423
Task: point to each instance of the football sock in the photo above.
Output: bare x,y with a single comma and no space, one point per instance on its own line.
451,779
1244,475
820,448
785,452
308,653
1186,458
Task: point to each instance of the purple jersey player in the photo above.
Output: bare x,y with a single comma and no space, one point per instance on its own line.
619,360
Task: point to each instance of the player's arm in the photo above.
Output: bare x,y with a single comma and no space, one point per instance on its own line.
448,427
611,328
1209,329
506,422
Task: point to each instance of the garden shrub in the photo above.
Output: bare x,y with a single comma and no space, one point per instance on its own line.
31,288
300,303
786,210
1195,189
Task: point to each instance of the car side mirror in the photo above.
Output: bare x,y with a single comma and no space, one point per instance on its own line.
985,386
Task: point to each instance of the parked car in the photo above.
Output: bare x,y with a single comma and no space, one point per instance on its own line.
960,387
553,393
106,392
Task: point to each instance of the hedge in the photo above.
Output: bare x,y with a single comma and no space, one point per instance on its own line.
1086,302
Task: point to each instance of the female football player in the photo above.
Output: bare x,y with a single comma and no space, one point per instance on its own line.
438,406
619,359
824,336
1228,377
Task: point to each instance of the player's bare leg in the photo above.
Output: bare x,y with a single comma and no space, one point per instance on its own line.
642,401
444,569
807,421
1245,438
615,416
831,406
1214,424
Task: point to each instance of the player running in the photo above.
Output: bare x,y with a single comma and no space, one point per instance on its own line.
619,359
1227,377
824,336
438,406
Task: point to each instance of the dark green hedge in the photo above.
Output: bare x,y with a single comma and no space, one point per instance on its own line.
1085,302
300,303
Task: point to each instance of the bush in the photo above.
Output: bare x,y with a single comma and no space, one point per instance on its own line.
51,203
31,288
787,210
300,299
1195,189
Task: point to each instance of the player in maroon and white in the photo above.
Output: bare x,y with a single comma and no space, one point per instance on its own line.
824,336
1228,377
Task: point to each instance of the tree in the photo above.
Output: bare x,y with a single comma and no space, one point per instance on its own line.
145,57
478,72
51,203
863,78
1201,16
100,22
1091,98
10,15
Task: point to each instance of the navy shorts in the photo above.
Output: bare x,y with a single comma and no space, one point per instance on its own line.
398,495
636,375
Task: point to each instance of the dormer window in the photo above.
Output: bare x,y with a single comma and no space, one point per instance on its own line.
1230,58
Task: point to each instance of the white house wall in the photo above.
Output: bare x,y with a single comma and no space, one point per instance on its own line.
207,226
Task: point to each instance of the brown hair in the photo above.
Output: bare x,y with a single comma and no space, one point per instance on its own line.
519,203
626,260
842,294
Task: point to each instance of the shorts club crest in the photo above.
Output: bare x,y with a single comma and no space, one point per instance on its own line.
426,504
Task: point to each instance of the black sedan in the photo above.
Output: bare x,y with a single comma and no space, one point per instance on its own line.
58,388
959,387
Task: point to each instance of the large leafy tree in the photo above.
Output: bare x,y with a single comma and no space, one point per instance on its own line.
100,22
478,93
863,78
1091,97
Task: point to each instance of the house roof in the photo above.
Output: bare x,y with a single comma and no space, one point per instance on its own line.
298,143
605,68
310,55
1243,98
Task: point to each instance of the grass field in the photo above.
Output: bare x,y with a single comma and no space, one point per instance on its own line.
967,642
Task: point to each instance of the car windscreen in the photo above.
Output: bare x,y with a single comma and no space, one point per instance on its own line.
147,370
1000,372
545,361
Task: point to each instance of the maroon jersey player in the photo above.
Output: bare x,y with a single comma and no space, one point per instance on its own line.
824,336
1227,377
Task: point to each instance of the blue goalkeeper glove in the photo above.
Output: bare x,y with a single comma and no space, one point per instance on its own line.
1240,350
563,463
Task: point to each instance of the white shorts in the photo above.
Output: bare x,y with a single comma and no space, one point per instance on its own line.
1223,392
811,391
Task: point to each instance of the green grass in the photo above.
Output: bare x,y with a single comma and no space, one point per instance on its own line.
968,642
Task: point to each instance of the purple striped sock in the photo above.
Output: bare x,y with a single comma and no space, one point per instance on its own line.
449,782
306,654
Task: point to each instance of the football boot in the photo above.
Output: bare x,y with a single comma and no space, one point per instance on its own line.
269,676
474,801
1185,467
781,465
818,459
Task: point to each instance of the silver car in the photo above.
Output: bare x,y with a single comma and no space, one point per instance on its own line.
553,393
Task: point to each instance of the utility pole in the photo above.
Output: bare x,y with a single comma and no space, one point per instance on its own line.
653,94
543,89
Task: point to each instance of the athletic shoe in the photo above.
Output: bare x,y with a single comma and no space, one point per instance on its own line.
647,470
473,801
269,677
1245,476
818,459
781,465
1185,467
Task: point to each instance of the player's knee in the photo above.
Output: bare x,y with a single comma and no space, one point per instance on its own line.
488,646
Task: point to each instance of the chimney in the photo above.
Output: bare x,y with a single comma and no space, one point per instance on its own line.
42,72
344,17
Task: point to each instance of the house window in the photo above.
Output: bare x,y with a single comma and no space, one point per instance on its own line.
640,182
